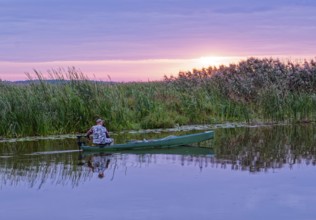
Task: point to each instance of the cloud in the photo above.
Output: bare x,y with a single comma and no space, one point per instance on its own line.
103,30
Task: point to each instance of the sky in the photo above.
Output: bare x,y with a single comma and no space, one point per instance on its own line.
143,40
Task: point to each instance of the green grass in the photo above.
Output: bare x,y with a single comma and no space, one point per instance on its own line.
66,101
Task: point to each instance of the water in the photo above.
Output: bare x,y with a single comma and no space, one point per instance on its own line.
244,173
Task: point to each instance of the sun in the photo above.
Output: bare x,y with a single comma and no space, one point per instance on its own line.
209,61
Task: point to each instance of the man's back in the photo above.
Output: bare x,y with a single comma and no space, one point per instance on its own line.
99,134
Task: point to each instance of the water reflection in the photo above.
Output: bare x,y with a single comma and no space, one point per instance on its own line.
266,148
99,163
37,171
238,149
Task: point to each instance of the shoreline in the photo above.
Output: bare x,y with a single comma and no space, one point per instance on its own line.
183,128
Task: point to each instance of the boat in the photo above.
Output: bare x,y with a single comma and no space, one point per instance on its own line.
167,142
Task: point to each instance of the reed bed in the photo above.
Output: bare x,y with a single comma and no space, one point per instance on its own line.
257,89
66,101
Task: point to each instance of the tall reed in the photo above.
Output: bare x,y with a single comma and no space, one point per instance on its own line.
66,101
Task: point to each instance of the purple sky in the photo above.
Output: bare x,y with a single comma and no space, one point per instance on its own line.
145,39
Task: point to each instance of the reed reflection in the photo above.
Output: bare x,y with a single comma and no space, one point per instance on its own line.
36,171
239,149
265,148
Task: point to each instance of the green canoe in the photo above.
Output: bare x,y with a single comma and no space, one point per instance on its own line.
170,141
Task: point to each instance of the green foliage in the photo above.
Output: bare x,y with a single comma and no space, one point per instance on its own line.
254,89
68,102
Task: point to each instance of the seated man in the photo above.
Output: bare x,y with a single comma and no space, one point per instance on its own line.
100,134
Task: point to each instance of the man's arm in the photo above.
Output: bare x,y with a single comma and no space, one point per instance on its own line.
107,134
89,133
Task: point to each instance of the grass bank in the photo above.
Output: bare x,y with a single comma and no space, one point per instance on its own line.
253,90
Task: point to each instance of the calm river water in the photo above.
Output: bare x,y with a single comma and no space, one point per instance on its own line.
243,173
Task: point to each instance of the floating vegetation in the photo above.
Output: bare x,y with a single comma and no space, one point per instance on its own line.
183,128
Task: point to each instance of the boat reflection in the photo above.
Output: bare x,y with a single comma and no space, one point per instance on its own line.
100,163
239,149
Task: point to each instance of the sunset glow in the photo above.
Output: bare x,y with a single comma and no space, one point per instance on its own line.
209,61
117,70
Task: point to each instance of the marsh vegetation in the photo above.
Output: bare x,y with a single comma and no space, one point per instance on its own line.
254,90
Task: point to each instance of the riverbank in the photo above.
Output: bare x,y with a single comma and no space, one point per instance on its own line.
184,128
